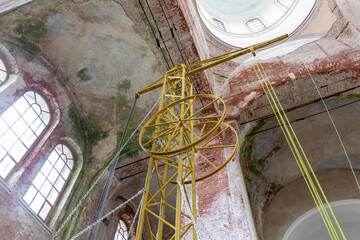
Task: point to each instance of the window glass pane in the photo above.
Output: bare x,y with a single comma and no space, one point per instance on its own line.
63,157
59,184
28,138
2,76
2,65
39,180
10,115
30,97
36,108
8,140
17,151
121,231
219,24
65,172
21,105
6,164
53,157
2,152
30,116
67,151
37,203
3,127
59,149
59,165
43,105
53,176
70,163
45,117
38,126
52,196
30,194
44,211
46,168
48,183
20,116
45,189
255,25
285,3
19,127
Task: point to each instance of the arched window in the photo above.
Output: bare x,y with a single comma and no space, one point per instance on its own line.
255,25
20,125
285,3
50,181
121,231
219,24
3,72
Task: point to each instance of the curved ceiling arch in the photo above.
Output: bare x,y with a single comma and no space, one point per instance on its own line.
243,23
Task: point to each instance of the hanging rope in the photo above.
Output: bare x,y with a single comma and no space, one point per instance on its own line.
103,172
203,224
107,215
189,209
113,211
299,154
135,216
333,123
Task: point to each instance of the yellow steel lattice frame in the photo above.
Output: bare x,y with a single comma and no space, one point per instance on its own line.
183,138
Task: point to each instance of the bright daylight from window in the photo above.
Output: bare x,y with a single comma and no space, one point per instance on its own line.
121,231
3,73
20,125
48,183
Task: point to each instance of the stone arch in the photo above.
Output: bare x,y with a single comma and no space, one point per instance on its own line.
11,66
28,158
69,189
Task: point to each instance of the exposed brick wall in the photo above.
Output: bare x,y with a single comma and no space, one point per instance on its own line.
321,57
18,222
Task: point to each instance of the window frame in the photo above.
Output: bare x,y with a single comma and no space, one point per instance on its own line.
35,144
216,22
280,3
118,233
2,82
62,191
254,19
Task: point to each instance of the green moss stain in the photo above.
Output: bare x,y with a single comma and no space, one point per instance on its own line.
83,75
247,145
133,148
255,166
354,96
124,85
86,129
31,31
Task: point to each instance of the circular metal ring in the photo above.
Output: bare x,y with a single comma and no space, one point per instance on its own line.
171,128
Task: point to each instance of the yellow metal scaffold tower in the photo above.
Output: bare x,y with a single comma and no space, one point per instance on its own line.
185,137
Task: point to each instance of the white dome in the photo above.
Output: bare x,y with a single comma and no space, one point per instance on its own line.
310,226
242,23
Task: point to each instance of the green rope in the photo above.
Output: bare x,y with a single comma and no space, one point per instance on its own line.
333,123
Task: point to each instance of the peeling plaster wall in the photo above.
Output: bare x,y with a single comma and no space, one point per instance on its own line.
120,57
269,165
31,75
330,59
112,41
